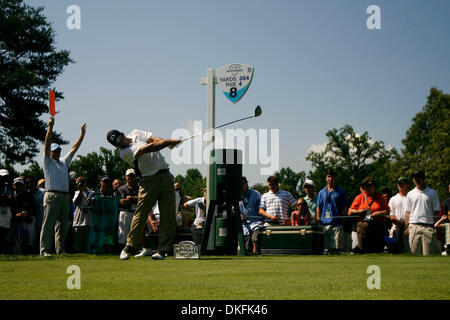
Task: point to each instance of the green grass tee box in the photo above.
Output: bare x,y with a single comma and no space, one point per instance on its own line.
290,277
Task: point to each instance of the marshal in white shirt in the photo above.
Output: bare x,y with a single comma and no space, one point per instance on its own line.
56,173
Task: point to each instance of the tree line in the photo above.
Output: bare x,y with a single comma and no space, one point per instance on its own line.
354,156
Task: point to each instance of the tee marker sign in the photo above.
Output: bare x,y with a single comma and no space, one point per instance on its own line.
234,80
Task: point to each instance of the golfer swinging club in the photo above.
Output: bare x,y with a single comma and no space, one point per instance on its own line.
140,149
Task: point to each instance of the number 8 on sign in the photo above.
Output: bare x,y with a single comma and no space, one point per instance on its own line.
234,80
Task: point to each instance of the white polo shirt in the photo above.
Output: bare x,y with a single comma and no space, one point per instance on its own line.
422,205
149,163
56,173
397,206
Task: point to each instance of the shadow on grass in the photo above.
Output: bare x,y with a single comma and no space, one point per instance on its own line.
212,258
63,256
85,256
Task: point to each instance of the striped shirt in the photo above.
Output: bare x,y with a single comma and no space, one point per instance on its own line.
277,204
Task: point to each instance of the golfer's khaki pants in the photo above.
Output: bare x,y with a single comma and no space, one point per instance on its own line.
423,240
158,187
55,222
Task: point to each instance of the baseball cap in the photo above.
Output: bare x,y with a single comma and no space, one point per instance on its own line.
308,182
106,178
113,137
54,146
402,179
41,181
18,180
4,172
130,171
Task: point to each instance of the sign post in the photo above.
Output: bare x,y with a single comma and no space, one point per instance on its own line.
211,82
234,81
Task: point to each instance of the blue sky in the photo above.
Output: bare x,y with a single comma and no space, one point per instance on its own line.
317,67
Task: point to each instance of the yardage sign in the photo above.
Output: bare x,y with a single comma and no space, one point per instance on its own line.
234,80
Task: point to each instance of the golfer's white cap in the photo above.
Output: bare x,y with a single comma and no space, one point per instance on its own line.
130,171
54,146
309,183
4,172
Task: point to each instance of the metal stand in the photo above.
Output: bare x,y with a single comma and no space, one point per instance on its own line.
234,231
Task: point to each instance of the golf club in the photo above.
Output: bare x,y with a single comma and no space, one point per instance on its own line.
258,112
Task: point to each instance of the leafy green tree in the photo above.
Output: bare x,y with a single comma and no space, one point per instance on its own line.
114,166
29,64
426,145
95,165
262,188
12,171
290,180
192,184
354,156
34,170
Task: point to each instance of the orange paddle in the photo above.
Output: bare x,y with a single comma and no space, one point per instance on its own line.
52,102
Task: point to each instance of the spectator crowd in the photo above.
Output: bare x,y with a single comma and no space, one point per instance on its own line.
372,222
96,222
99,221
51,215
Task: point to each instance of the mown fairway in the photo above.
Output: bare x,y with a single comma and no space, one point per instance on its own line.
255,277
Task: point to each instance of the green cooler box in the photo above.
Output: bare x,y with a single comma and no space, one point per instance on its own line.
292,240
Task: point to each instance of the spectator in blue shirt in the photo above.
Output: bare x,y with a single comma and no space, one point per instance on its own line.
332,203
252,222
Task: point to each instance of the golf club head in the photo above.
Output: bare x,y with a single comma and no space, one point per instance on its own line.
258,111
